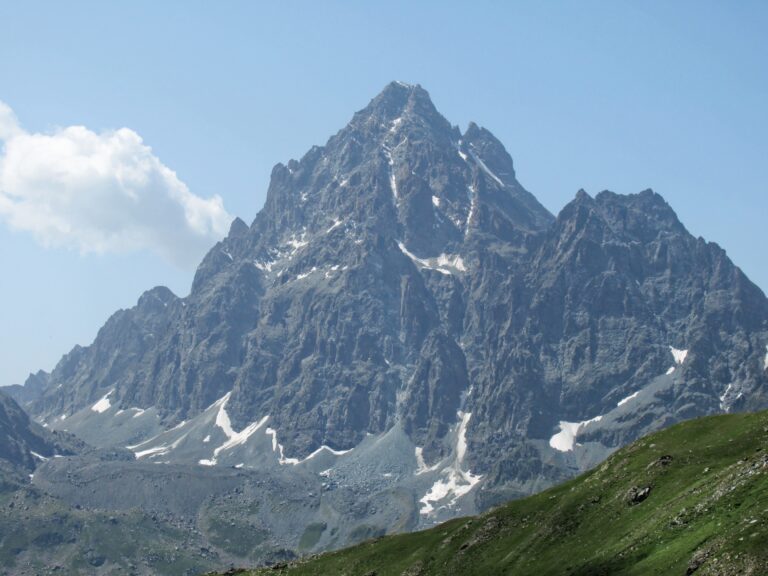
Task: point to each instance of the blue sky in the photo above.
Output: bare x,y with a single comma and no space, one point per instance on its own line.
596,95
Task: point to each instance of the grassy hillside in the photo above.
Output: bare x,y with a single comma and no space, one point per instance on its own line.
706,512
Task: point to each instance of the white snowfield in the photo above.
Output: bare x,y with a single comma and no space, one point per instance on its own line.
480,163
487,170
161,444
38,456
103,404
421,465
285,253
679,356
210,439
627,399
565,440
765,360
455,482
444,263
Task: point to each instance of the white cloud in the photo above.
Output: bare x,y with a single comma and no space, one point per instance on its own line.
106,192
9,125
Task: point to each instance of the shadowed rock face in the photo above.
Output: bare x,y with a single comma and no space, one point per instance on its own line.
24,443
400,274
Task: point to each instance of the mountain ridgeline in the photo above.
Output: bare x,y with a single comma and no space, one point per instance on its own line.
401,289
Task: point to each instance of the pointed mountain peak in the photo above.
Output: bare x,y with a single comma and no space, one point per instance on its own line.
583,196
397,102
238,228
156,298
401,92
474,132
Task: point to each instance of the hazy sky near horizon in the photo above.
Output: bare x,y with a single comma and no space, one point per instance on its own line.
132,132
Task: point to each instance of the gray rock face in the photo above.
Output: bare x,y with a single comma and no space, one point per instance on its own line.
24,444
32,389
400,275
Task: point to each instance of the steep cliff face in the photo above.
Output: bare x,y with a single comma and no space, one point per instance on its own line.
399,279
24,444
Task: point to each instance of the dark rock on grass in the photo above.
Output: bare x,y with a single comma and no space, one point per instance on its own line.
637,495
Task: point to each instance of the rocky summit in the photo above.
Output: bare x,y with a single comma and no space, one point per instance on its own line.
404,334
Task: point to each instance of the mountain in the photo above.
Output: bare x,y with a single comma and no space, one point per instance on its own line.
25,444
32,389
688,500
404,325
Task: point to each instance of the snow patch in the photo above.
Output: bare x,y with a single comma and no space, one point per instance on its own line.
461,443
233,438
421,465
152,451
306,274
487,170
628,398
564,440
765,360
325,448
472,195
444,263
222,418
723,405
238,438
38,456
104,404
455,482
336,224
160,450
679,355
451,261
670,370
727,399
436,201
264,266
297,243
277,447
392,178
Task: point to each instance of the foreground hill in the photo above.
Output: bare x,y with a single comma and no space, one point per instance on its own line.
690,499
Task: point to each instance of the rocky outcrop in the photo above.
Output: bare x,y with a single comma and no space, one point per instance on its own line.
24,444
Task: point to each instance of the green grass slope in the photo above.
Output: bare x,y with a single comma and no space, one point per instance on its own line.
706,513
